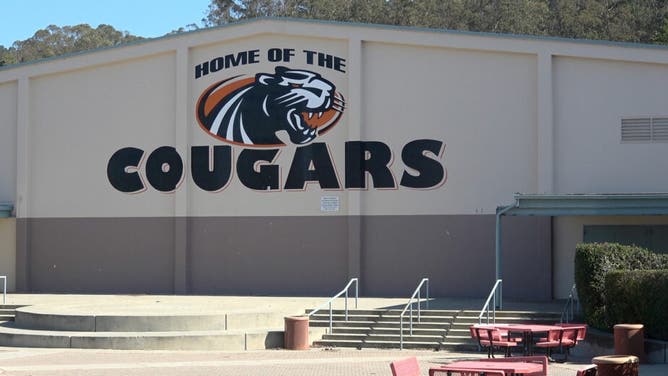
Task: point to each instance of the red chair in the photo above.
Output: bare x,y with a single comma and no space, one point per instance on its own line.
564,339
405,367
553,340
582,329
505,336
589,370
490,337
569,338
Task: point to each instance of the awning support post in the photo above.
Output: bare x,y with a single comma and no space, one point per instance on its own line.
499,269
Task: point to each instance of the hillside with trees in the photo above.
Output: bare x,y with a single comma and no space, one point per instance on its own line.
55,41
643,21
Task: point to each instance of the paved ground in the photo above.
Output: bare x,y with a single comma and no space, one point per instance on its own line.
335,362
56,362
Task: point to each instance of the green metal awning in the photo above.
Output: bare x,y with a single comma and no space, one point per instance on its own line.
579,204
6,210
588,204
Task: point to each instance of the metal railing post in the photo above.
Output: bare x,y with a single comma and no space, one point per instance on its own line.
329,302
357,285
346,304
501,295
419,304
494,310
569,307
409,307
492,298
4,289
401,332
410,323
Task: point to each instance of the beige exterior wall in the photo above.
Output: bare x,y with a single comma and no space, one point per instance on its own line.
8,108
8,251
463,98
405,92
78,119
591,98
531,116
568,232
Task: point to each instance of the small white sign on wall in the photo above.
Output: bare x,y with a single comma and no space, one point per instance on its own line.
330,203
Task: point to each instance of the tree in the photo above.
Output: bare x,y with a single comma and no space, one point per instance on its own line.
54,41
643,21
620,20
184,29
518,16
6,56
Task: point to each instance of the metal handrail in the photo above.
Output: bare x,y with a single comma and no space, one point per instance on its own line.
329,302
572,305
4,289
409,306
497,289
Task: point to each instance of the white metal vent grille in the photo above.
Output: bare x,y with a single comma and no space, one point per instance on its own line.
645,129
660,129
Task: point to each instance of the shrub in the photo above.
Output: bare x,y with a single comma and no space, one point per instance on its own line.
639,296
593,261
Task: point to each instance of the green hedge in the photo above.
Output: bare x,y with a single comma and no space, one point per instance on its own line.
639,296
593,261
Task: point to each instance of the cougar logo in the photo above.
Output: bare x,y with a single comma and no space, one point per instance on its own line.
249,111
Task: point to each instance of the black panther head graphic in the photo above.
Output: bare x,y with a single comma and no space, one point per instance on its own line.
249,111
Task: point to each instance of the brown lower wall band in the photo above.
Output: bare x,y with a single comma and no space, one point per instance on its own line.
283,255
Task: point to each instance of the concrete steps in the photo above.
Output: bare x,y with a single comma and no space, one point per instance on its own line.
55,327
436,329
233,340
8,312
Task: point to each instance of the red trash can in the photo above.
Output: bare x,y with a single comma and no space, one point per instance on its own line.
630,340
616,365
296,333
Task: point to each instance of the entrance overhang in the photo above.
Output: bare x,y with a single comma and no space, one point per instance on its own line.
553,205
6,210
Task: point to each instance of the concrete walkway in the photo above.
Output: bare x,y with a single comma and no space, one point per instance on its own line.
71,362
37,361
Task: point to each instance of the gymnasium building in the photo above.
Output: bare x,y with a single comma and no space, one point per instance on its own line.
284,157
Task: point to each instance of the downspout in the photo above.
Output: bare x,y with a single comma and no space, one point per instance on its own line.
501,210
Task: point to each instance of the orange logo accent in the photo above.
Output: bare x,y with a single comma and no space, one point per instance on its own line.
250,111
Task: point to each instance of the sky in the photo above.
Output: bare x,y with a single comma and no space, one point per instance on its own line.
20,19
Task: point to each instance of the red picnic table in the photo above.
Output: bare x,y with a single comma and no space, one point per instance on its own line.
557,335
528,331
509,366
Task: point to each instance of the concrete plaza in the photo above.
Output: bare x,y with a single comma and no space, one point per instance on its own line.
334,362
23,361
